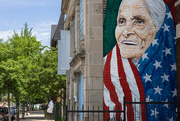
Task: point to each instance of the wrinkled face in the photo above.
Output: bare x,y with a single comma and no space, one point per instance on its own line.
135,29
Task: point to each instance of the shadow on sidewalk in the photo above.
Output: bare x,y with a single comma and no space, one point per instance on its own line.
36,115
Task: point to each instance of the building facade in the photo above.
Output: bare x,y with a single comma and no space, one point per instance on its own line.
84,86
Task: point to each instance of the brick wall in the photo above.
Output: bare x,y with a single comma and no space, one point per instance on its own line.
178,47
178,65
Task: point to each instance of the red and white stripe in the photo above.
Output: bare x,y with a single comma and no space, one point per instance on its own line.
121,79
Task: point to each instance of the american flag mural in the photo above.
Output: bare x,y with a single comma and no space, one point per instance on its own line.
151,79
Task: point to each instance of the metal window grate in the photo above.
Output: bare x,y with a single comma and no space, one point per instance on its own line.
81,22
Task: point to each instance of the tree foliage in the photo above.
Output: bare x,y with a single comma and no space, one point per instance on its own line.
27,71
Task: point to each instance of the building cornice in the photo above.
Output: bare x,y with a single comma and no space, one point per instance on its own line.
64,5
78,57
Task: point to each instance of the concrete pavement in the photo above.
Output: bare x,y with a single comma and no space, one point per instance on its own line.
37,115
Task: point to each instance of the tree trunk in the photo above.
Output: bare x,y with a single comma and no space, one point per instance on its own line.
23,111
29,104
17,109
60,113
9,112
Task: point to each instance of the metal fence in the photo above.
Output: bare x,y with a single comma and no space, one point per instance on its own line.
152,114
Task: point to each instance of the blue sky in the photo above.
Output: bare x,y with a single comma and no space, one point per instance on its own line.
39,15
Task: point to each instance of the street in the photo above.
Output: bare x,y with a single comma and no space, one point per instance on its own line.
37,115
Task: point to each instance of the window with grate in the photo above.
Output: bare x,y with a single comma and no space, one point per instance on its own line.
81,21
74,34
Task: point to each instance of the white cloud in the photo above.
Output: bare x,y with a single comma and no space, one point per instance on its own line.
45,34
46,24
42,31
5,34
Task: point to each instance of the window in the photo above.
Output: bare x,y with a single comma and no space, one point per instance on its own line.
81,93
74,36
81,21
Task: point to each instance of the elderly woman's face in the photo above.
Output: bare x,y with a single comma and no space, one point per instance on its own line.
135,29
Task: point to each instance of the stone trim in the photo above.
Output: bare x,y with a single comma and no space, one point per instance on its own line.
178,13
178,30
78,56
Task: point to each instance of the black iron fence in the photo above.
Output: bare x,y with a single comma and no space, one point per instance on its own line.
155,111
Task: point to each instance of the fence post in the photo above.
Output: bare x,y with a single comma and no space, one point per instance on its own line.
178,106
66,113
124,108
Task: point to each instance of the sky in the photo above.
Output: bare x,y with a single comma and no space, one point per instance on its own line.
39,15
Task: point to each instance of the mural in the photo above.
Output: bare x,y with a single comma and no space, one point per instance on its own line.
140,62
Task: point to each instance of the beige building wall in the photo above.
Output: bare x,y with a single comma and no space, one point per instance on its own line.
89,58
93,73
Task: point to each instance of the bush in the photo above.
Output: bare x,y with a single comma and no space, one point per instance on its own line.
62,119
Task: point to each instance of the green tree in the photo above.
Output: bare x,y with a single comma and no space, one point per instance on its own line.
54,82
27,73
14,62
49,83
1,40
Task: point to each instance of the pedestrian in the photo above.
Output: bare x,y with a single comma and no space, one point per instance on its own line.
50,107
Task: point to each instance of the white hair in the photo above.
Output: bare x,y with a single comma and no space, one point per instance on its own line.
157,9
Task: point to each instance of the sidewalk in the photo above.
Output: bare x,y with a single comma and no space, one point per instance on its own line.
37,115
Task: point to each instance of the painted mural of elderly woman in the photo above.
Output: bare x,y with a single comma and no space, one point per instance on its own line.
142,65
